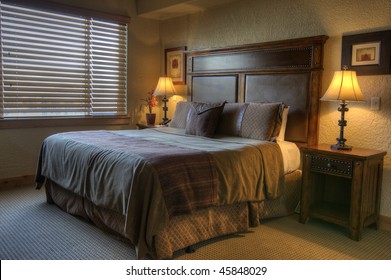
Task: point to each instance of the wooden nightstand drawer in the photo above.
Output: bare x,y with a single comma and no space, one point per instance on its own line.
332,166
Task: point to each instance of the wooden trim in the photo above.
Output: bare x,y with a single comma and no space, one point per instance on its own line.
17,181
54,122
385,223
275,45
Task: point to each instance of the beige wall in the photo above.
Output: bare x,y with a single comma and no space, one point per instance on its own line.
252,21
19,147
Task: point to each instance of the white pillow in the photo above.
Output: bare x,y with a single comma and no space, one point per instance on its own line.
180,115
281,136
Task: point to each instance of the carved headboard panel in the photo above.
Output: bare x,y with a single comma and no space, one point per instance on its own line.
288,71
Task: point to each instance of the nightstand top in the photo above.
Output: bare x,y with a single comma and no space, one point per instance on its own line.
355,152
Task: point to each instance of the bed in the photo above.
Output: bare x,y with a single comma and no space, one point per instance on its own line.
214,170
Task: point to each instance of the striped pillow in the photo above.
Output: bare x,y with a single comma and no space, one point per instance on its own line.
180,115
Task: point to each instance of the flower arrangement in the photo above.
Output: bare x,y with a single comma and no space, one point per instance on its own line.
150,101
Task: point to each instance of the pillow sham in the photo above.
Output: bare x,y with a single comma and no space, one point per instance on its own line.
203,118
262,121
180,115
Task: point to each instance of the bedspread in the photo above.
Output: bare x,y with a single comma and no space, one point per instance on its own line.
187,177
152,174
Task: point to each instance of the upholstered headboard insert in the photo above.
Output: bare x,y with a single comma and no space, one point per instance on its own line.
287,71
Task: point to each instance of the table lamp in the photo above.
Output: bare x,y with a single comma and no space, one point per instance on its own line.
164,88
344,87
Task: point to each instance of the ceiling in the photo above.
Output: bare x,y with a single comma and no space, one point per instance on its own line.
180,8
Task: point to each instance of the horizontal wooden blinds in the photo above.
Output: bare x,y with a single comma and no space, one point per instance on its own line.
56,64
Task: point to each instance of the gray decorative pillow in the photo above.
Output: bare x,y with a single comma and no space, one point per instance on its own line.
180,115
203,118
231,119
262,121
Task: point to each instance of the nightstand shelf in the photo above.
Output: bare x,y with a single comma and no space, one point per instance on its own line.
342,187
331,212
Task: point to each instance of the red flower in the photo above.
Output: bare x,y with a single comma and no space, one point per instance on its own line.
150,101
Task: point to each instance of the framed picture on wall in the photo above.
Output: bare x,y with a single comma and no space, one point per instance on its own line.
175,65
367,53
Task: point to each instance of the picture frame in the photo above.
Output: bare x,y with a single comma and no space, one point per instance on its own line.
175,65
367,53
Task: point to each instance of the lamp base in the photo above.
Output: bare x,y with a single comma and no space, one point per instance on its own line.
165,109
342,123
341,147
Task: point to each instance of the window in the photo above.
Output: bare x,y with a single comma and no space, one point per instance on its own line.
57,64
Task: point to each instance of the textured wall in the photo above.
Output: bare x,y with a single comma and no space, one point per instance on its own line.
251,21
19,148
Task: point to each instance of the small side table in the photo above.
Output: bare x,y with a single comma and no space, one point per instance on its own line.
144,126
342,187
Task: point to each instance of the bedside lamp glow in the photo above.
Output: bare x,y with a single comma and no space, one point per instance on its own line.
164,88
344,87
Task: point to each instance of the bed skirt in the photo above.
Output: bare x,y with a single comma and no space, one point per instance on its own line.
185,230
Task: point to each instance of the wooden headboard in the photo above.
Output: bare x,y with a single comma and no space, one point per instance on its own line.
288,71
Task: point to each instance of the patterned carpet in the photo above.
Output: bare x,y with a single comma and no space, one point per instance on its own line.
32,229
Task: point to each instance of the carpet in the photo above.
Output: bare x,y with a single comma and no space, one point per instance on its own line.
32,229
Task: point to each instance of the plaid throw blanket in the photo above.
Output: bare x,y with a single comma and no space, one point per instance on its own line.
187,177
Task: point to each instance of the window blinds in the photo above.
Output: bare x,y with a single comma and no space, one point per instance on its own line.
55,64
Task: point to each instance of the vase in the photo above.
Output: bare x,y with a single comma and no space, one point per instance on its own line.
151,118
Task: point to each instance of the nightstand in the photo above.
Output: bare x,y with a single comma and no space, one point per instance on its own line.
144,126
342,187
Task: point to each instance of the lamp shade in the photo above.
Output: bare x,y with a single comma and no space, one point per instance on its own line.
344,86
164,87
